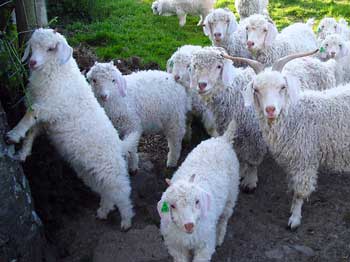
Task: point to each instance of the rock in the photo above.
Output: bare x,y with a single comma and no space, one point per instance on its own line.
290,251
145,162
276,253
307,251
21,237
137,245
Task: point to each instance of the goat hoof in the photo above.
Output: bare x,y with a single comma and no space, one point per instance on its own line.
9,140
248,190
133,173
125,226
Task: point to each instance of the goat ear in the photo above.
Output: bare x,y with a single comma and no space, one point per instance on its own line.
26,52
271,34
164,212
193,80
205,204
322,53
338,29
232,26
169,66
192,178
345,50
206,27
228,72
248,95
293,87
121,84
64,52
168,181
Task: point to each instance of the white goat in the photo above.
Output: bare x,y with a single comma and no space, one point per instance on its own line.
266,45
221,27
63,103
329,26
334,46
296,125
143,102
199,201
246,8
183,7
220,86
178,65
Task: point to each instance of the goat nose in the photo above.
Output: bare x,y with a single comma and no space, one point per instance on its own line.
217,35
270,109
104,97
333,53
177,77
250,43
202,85
32,63
189,227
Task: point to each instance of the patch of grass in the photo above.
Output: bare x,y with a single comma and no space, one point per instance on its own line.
124,28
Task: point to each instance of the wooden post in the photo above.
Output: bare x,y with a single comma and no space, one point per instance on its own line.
30,14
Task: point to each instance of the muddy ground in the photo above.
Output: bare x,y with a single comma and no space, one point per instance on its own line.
256,232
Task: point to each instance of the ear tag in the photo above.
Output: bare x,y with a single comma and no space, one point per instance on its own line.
319,30
171,64
165,207
322,50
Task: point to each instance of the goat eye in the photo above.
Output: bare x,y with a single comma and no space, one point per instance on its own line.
340,46
197,202
50,49
265,30
94,80
173,206
113,81
326,45
219,66
283,87
247,28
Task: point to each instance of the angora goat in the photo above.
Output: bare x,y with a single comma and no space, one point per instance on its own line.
220,85
79,128
178,65
199,201
266,45
296,125
183,7
145,102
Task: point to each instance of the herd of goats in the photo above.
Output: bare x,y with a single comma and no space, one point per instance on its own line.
257,90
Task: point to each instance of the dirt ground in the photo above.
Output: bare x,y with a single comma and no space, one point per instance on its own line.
256,232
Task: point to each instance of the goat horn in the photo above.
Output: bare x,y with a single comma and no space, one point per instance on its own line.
257,66
280,63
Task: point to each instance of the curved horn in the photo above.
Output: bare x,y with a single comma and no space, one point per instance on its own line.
280,63
257,66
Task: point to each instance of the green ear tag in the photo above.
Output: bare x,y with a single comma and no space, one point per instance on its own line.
171,64
165,207
319,30
322,50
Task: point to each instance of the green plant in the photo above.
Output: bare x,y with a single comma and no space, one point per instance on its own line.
72,9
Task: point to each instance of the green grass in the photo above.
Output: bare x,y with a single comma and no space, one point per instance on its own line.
124,28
